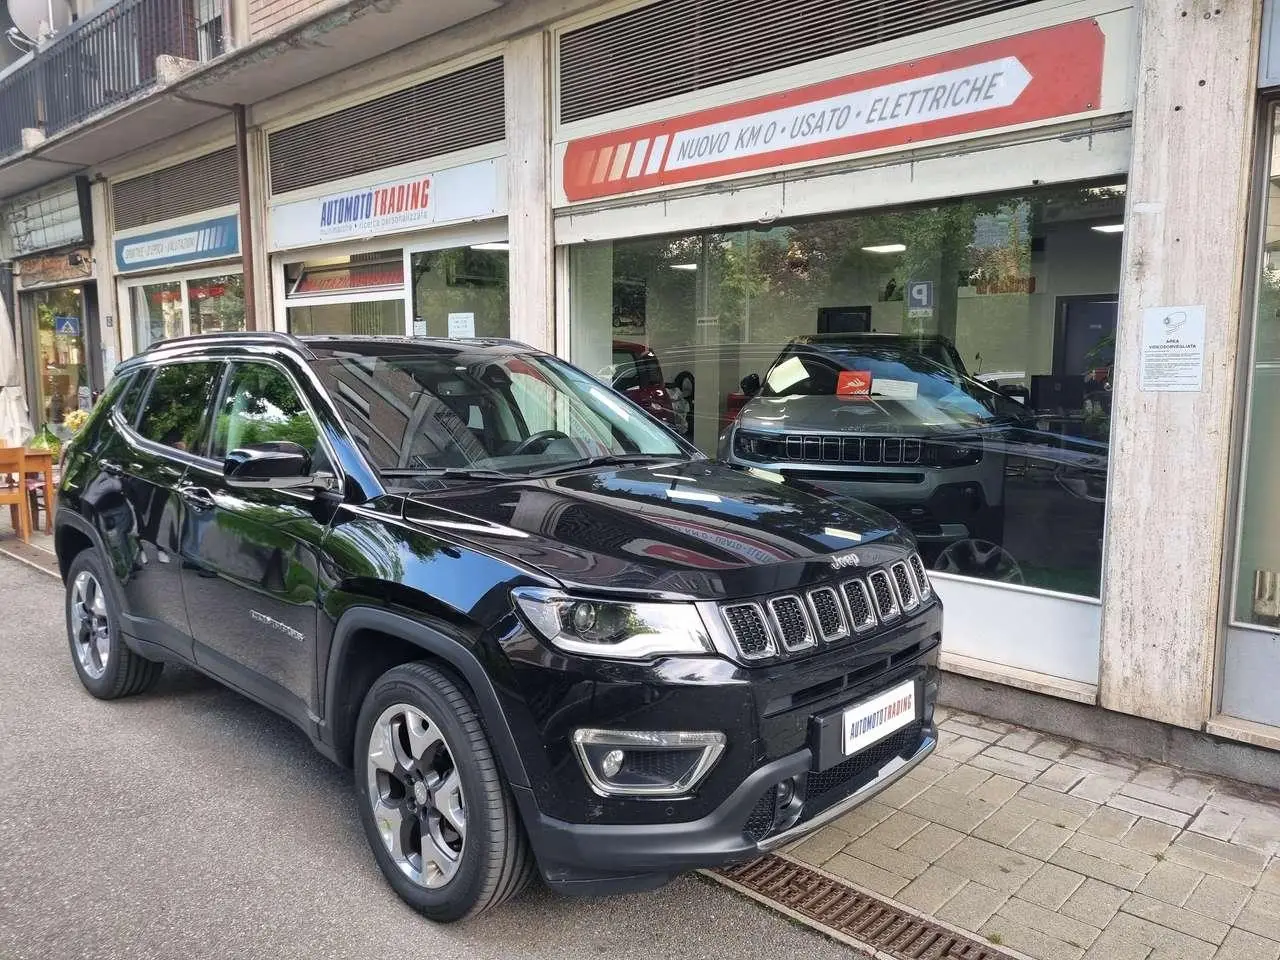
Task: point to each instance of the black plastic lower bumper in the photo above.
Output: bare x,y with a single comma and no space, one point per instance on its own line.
593,859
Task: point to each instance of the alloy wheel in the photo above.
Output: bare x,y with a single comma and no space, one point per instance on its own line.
416,795
91,628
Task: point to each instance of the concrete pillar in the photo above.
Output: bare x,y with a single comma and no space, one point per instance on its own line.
532,262
259,192
1188,204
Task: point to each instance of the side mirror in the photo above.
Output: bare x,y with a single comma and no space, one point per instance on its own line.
282,465
751,384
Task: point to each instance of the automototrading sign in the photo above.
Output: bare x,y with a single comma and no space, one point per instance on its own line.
1037,76
191,243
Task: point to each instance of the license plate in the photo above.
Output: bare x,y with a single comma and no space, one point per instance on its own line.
873,720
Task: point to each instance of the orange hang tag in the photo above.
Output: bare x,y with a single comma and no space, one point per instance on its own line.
854,383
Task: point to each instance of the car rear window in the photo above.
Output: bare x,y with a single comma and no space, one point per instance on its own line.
177,405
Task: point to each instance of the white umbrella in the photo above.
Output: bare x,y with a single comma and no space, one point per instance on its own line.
15,428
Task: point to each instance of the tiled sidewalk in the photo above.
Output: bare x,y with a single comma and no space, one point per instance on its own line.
1061,851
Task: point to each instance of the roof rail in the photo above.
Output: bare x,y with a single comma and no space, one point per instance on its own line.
233,338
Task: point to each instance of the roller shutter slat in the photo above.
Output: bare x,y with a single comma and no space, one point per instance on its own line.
454,112
680,46
177,191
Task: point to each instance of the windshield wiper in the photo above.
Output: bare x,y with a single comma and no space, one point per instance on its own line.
611,460
447,473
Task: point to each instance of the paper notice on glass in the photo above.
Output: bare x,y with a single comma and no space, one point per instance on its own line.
462,325
1173,349
419,327
895,389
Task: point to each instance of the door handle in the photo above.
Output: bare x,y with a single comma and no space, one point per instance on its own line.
197,498
112,469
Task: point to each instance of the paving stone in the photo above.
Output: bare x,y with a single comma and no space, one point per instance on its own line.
1260,835
1175,918
1245,807
1261,915
1020,740
1040,840
1123,856
887,858
1066,810
899,794
1216,823
1167,944
1096,762
1040,945
973,906
964,779
1096,867
927,775
932,842
1113,945
1157,775
1005,767
989,864
997,789
1060,777
1097,788
1038,764
1050,748
931,889
897,829
1170,882
821,846
1150,836
951,809
863,817
865,875
1051,886
1151,811
1067,929
961,749
1242,945
1180,852
1270,882
1004,825
1108,823
1244,856
1218,898
1095,902
973,732
1162,798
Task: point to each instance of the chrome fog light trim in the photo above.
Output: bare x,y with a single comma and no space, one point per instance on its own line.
594,747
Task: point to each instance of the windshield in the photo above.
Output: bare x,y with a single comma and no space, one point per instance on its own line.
895,373
481,411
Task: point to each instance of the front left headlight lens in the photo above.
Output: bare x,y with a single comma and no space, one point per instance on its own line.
607,628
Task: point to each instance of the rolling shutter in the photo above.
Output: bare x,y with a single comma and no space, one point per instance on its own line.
453,112
200,184
678,46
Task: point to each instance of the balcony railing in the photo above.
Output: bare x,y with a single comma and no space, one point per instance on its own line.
100,62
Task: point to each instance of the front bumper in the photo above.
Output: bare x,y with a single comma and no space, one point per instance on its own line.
605,858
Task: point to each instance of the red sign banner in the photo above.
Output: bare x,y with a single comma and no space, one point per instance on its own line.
1031,77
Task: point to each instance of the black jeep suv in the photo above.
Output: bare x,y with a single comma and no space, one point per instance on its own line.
544,631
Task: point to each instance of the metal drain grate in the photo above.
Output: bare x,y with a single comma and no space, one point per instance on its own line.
870,920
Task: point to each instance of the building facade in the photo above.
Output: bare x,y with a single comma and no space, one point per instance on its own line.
669,192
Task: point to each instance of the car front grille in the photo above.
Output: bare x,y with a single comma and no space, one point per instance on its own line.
791,623
820,448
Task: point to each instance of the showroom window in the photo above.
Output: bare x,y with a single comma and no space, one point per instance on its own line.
202,303
359,294
951,363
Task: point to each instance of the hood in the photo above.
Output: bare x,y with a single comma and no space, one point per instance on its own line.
823,414
693,529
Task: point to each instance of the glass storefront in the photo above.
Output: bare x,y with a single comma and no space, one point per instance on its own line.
949,363
181,306
457,291
57,319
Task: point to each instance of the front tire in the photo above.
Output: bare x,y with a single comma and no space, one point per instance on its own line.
441,821
105,664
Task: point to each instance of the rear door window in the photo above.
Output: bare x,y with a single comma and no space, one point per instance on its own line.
132,396
176,410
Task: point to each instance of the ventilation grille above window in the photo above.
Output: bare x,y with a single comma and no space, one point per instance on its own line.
177,191
453,112
678,46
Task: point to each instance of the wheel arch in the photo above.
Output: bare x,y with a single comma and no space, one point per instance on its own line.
72,535
368,641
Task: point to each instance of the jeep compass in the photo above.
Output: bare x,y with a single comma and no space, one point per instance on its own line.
547,636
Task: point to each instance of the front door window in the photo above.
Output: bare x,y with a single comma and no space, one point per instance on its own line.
62,374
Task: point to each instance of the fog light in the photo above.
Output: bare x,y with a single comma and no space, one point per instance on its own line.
646,763
786,791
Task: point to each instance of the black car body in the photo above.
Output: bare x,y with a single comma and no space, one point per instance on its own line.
297,548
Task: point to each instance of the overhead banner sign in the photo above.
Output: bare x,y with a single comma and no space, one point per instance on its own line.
469,192
194,242
1037,76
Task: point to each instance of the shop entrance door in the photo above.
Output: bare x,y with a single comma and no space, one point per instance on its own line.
1086,335
59,353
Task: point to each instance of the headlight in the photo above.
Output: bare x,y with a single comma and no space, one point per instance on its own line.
605,628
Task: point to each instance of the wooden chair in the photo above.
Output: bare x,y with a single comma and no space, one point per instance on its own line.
41,487
13,490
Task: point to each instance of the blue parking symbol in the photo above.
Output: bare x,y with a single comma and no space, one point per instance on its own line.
920,295
66,326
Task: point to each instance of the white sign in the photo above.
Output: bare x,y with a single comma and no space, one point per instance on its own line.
462,326
1173,349
895,389
874,719
954,93
470,192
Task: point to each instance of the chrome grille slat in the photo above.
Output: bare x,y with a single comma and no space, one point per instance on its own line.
861,607
922,577
886,601
750,630
904,586
828,614
792,623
